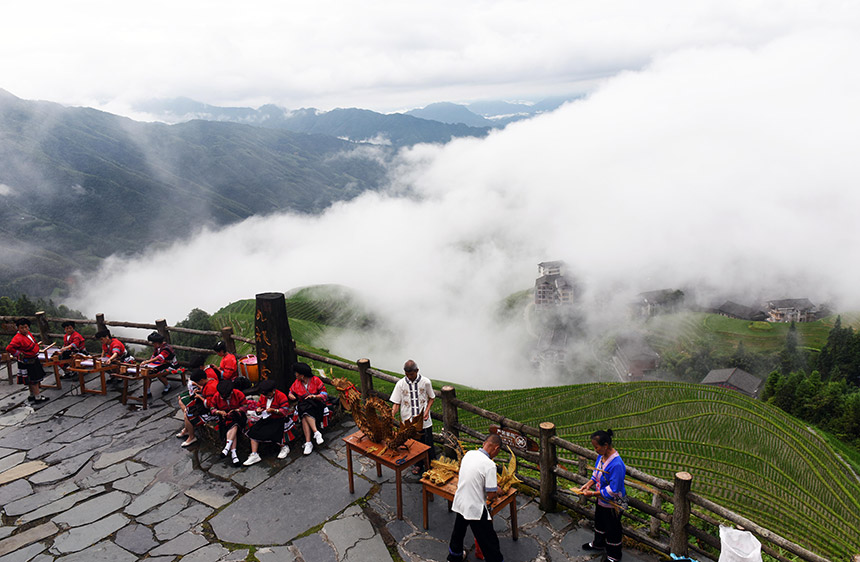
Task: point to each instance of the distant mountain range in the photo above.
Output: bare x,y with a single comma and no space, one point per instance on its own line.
438,122
77,184
356,125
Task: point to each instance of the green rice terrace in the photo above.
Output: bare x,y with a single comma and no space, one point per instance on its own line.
745,455
671,331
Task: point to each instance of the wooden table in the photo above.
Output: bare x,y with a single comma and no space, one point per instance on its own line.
449,488
411,453
87,365
53,362
6,358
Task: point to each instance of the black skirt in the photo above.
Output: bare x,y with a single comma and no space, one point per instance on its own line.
313,408
268,430
30,371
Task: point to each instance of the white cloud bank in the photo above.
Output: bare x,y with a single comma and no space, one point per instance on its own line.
732,168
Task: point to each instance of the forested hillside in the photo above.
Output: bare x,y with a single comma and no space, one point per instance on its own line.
78,185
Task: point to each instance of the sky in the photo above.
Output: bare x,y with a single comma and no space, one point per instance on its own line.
714,151
380,55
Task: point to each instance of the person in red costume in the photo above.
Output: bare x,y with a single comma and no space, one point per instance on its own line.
25,349
73,342
310,391
273,409
229,366
113,351
230,406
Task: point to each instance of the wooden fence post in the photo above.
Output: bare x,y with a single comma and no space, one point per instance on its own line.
681,515
43,327
161,328
656,502
548,460
275,351
100,322
366,379
227,338
450,418
583,471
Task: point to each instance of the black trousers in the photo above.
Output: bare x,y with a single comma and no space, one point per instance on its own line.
607,531
484,534
426,437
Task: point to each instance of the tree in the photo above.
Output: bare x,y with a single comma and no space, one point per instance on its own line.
24,306
786,392
774,380
790,359
197,319
806,396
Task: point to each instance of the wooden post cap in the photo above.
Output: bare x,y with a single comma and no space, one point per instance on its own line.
683,476
363,361
447,388
546,426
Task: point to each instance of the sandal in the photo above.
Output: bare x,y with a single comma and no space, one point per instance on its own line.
41,398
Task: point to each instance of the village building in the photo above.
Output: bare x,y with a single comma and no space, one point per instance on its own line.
732,309
634,356
661,301
791,310
553,287
735,379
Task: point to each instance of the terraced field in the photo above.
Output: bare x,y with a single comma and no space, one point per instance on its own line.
747,456
674,331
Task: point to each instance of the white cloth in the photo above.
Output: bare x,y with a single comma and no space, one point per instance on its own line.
413,397
477,477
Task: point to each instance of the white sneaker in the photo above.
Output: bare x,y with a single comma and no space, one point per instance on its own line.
308,448
318,438
285,450
253,458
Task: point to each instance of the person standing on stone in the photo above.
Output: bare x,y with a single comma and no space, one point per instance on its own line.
413,395
25,349
477,485
608,481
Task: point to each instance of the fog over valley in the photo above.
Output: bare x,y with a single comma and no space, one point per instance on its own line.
727,169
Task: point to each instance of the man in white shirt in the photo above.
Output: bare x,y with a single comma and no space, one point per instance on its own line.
413,395
477,485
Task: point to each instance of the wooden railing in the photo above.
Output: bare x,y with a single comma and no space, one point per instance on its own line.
42,326
668,531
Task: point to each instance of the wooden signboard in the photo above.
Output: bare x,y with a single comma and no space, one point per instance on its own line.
515,439
275,352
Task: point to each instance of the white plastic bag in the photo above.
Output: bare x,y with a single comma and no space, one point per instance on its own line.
738,546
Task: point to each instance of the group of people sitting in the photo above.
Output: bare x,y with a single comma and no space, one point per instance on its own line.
271,418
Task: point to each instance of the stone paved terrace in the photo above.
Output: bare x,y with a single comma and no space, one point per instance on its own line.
84,478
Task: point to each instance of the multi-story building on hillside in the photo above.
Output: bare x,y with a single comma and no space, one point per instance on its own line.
553,287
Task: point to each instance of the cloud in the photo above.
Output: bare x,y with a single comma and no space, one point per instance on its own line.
5,189
378,54
728,168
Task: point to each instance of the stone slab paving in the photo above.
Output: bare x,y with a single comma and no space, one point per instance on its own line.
84,478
